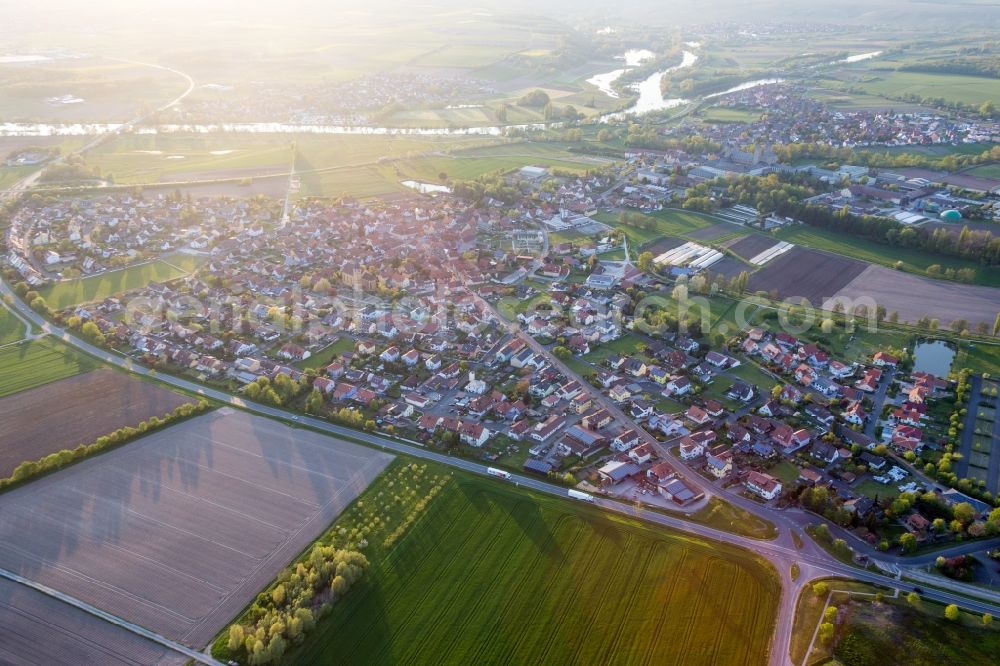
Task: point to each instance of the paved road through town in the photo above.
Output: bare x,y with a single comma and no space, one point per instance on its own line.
814,561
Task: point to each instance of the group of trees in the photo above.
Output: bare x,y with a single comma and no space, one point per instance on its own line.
647,135
55,461
32,298
784,195
793,152
535,98
284,614
282,390
960,567
281,616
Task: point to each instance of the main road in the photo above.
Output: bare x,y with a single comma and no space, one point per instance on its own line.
814,561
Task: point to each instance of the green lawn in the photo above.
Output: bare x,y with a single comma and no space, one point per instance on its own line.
978,357
491,574
36,362
809,609
722,515
872,489
11,328
84,290
914,261
626,345
325,356
669,222
786,472
470,164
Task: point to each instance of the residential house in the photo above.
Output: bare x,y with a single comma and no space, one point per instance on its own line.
764,485
719,466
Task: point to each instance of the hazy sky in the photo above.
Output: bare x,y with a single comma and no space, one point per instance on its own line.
161,18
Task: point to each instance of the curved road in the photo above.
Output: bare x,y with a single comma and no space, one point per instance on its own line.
814,561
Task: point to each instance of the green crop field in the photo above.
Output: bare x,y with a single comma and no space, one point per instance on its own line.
36,362
493,575
914,261
475,162
986,171
951,87
142,158
84,290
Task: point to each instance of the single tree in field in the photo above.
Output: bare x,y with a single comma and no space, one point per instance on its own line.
913,598
951,612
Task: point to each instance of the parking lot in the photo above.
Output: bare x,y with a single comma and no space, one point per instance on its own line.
180,530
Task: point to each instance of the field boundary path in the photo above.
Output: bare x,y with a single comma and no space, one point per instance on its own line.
199,657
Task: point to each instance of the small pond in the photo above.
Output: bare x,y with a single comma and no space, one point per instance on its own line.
933,356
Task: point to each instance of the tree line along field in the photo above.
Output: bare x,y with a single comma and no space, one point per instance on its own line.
914,261
36,362
98,287
491,575
180,529
76,410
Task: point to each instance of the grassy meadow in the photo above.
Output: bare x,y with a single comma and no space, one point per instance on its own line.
98,287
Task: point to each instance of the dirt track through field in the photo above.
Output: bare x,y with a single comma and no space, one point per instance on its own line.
36,629
74,411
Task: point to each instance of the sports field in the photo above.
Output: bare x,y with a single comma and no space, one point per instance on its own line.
36,362
98,287
492,575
